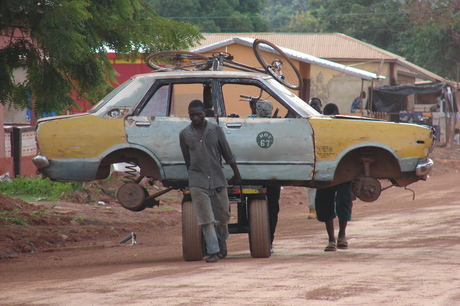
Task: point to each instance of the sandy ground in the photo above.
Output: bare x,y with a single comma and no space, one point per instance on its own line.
402,252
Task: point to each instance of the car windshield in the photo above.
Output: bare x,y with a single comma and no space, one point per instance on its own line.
109,97
127,94
302,107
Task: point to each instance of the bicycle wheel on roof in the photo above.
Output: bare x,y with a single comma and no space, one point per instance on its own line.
277,63
178,60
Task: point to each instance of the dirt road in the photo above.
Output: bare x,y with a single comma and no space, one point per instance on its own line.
402,252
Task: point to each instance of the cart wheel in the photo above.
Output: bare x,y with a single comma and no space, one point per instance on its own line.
192,241
259,229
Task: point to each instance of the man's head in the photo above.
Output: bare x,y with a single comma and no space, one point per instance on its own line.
196,112
331,109
316,104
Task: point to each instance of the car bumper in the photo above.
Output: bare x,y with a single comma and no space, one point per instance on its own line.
72,169
424,168
40,162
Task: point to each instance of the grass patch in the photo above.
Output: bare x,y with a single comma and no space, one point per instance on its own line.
8,216
166,208
18,221
78,219
28,188
171,197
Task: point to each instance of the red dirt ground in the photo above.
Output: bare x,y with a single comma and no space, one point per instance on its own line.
401,252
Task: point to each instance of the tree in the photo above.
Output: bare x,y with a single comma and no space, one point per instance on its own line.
425,32
304,22
62,46
374,21
215,16
434,38
284,15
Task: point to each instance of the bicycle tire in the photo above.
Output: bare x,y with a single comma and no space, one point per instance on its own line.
174,60
269,55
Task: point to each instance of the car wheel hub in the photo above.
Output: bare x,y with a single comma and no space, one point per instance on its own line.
367,189
132,196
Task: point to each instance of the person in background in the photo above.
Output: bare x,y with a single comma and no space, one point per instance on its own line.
316,104
311,195
356,104
311,192
203,143
330,109
335,201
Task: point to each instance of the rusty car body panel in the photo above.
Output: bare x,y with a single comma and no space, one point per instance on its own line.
140,122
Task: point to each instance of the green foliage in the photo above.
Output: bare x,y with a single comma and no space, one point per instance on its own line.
373,21
215,16
304,22
433,41
78,219
426,33
38,188
63,46
279,15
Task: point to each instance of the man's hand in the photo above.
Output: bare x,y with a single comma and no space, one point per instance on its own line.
235,180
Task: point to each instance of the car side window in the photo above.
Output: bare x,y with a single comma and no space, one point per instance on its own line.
237,100
173,100
158,103
182,94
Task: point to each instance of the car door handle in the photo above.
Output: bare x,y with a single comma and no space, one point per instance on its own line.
234,125
142,123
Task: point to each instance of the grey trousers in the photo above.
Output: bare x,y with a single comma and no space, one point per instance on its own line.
213,214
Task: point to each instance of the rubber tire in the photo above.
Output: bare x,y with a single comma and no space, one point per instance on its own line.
259,229
195,61
292,78
192,239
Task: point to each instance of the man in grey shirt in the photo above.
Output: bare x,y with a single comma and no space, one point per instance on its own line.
203,144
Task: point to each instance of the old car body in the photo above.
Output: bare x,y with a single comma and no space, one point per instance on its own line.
139,123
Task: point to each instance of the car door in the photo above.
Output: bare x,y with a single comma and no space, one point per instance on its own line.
157,122
271,149
277,148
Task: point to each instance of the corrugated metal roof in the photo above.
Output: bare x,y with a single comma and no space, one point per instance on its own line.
300,56
331,46
324,45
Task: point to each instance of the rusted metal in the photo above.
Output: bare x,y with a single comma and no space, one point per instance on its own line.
159,193
132,196
367,189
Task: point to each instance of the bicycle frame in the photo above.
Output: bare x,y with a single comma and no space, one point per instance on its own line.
223,59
